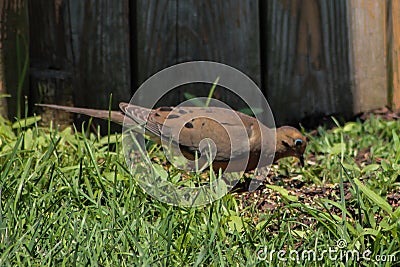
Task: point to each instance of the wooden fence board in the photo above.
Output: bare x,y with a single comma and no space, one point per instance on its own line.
368,53
52,57
221,31
80,52
103,66
171,32
306,64
393,40
156,36
14,55
312,57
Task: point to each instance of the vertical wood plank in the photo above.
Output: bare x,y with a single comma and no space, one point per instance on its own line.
14,56
103,59
51,54
221,31
156,39
393,38
306,64
80,52
368,53
173,31
50,35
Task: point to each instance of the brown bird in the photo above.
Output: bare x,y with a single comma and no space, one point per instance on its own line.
187,126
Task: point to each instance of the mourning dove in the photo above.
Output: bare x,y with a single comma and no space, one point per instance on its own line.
194,125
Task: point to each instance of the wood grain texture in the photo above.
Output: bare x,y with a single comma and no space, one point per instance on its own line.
306,61
312,57
393,42
50,35
155,36
222,31
52,57
14,56
171,32
80,53
103,52
368,53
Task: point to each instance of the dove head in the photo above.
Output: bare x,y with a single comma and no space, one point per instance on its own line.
290,142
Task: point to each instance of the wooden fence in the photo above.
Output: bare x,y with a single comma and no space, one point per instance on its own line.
310,57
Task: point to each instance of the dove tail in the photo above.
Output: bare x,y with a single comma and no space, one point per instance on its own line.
115,116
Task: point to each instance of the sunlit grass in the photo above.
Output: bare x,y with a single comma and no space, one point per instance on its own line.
67,199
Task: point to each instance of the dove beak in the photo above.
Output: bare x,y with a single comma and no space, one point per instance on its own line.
301,158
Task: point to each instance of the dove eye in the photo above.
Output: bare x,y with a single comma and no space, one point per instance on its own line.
298,142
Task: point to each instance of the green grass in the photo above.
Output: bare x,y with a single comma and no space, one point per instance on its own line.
67,199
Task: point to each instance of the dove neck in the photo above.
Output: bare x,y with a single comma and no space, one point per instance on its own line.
267,138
